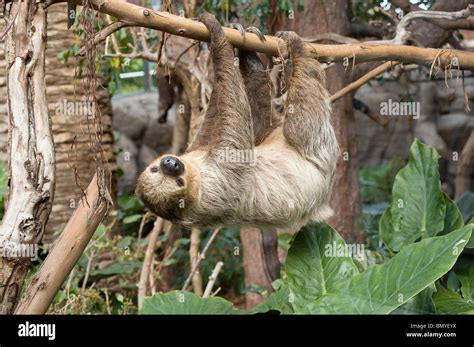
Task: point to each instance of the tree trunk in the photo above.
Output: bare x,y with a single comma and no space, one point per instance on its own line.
260,261
31,149
322,16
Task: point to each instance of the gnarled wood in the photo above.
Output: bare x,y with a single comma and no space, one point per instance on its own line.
31,151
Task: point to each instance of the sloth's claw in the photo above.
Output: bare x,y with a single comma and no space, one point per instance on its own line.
239,27
292,41
257,32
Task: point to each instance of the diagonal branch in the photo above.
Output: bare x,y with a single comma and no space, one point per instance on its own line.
102,35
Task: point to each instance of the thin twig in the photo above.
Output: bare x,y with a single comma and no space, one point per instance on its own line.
200,258
144,279
363,80
212,279
101,36
2,36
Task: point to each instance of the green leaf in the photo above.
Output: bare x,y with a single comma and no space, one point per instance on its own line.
383,288
422,303
316,263
466,277
132,219
449,302
418,207
279,301
470,243
453,282
453,218
466,205
122,267
182,302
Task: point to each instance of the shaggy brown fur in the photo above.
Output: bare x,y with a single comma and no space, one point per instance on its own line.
285,167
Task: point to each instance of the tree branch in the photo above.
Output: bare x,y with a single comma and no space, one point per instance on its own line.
200,258
144,282
135,15
363,80
212,279
102,35
66,251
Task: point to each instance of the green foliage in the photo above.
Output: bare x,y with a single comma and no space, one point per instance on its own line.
376,191
419,206
466,205
313,266
383,288
250,10
376,182
180,302
450,302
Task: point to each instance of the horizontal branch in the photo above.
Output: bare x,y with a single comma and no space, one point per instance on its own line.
134,15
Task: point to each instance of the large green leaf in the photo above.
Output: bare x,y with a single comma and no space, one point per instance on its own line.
383,288
317,262
449,302
418,207
182,302
279,301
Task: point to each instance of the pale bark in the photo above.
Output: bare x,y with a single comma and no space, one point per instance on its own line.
147,266
193,258
31,151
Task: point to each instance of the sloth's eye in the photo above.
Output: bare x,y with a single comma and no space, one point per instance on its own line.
180,182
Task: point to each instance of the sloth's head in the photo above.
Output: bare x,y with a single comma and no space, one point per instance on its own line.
168,186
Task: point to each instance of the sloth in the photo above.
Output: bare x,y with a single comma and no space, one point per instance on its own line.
248,164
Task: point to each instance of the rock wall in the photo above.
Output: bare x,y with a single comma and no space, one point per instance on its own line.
139,136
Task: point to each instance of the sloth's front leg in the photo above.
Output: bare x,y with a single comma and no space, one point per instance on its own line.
227,124
307,125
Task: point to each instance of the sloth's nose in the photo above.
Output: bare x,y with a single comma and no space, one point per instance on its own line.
171,166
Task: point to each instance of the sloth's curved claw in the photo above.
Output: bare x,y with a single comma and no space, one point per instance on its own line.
239,27
292,41
257,32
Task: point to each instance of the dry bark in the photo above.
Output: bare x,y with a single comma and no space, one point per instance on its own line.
31,151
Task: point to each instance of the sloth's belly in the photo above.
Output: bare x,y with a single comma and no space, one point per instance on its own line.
287,190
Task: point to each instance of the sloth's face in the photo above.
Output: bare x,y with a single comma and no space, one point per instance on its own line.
166,186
